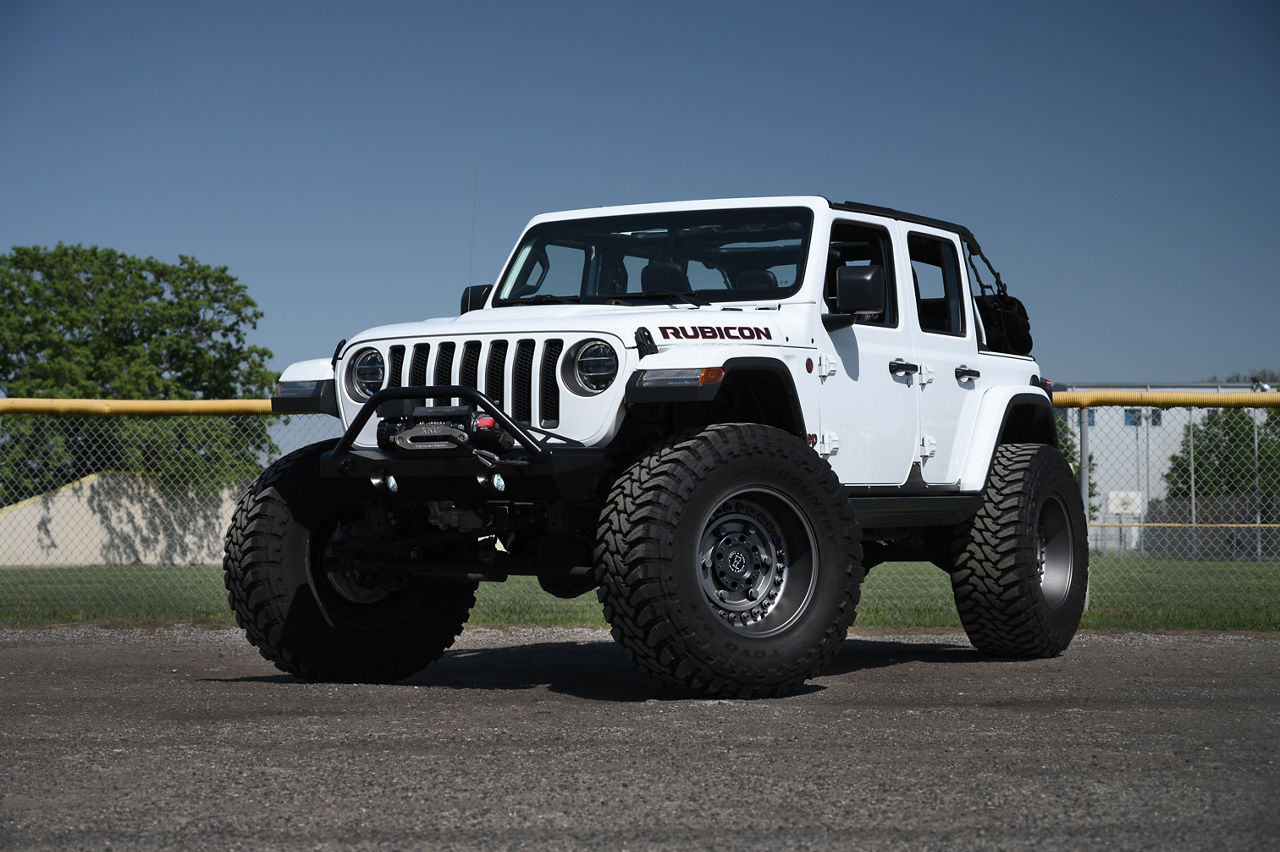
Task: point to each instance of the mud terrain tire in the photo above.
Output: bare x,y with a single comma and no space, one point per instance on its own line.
729,562
1021,567
277,574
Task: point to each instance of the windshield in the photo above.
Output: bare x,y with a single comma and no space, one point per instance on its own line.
697,257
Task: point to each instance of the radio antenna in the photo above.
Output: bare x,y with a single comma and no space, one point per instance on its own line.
475,194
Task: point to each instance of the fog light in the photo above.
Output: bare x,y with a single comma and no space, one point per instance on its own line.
493,481
384,481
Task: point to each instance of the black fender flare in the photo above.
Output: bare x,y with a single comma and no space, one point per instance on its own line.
734,371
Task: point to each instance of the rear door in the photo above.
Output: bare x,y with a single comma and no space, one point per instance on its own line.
949,384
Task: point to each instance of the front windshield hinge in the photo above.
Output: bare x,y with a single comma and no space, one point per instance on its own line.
644,343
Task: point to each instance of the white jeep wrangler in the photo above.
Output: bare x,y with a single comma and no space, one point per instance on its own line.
717,414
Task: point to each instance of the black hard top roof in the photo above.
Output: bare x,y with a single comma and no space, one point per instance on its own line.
889,212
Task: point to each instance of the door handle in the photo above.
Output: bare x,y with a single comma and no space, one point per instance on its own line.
966,374
899,367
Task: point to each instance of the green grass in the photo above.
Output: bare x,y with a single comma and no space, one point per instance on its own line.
1128,593
114,595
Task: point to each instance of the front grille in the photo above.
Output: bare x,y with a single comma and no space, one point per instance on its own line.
523,380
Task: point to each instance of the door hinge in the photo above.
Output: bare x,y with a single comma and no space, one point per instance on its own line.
826,366
828,444
928,446
926,374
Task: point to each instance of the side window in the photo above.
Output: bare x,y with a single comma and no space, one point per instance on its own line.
936,270
862,245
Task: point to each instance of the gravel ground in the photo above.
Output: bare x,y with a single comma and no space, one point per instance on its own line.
549,739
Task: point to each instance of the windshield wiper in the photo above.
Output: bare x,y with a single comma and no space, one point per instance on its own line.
545,299
663,295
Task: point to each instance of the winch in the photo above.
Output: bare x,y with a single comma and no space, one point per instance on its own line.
407,429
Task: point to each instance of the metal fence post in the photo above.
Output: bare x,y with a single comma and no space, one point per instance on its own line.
1084,460
1084,480
1195,528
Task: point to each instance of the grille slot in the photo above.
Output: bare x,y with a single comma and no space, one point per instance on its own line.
548,387
397,363
444,369
468,375
522,382
495,375
418,366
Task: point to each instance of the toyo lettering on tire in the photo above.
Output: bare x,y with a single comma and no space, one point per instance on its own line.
307,606
729,562
1021,565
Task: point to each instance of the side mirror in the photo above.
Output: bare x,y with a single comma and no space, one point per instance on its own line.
474,297
861,290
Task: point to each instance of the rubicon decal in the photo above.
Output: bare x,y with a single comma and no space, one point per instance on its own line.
714,332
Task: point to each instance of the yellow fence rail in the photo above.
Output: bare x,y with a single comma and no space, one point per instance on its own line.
1061,399
137,407
1164,399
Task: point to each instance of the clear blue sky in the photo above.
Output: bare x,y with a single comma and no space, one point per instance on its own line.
1120,162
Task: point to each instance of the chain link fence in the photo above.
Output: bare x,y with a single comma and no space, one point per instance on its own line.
121,518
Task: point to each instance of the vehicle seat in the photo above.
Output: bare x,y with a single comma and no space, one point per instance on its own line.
660,275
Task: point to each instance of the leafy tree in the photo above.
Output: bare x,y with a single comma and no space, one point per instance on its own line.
1270,377
92,322
1224,455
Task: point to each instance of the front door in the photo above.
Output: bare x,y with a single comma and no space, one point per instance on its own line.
869,410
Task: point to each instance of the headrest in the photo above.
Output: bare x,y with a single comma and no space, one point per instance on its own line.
756,279
663,275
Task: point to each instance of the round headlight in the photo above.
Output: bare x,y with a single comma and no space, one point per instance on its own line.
366,373
595,366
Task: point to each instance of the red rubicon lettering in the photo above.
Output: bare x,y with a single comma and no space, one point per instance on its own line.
714,332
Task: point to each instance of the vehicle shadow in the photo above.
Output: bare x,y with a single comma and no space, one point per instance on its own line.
860,654
599,671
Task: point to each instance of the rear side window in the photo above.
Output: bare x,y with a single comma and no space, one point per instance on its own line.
935,266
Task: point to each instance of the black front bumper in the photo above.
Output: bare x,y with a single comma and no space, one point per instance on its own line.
538,466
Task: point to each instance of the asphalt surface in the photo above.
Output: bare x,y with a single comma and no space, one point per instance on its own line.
550,739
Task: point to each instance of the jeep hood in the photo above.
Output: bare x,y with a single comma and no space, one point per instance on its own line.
680,321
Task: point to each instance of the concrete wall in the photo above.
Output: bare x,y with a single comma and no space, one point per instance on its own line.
115,519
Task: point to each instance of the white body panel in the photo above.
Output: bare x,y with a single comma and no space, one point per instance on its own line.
314,370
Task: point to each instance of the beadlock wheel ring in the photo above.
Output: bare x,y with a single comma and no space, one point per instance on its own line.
756,561
1055,552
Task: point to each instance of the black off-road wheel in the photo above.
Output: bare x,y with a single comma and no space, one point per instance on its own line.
1021,566
729,562
305,607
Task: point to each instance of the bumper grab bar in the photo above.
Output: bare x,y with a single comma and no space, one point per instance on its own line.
521,435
